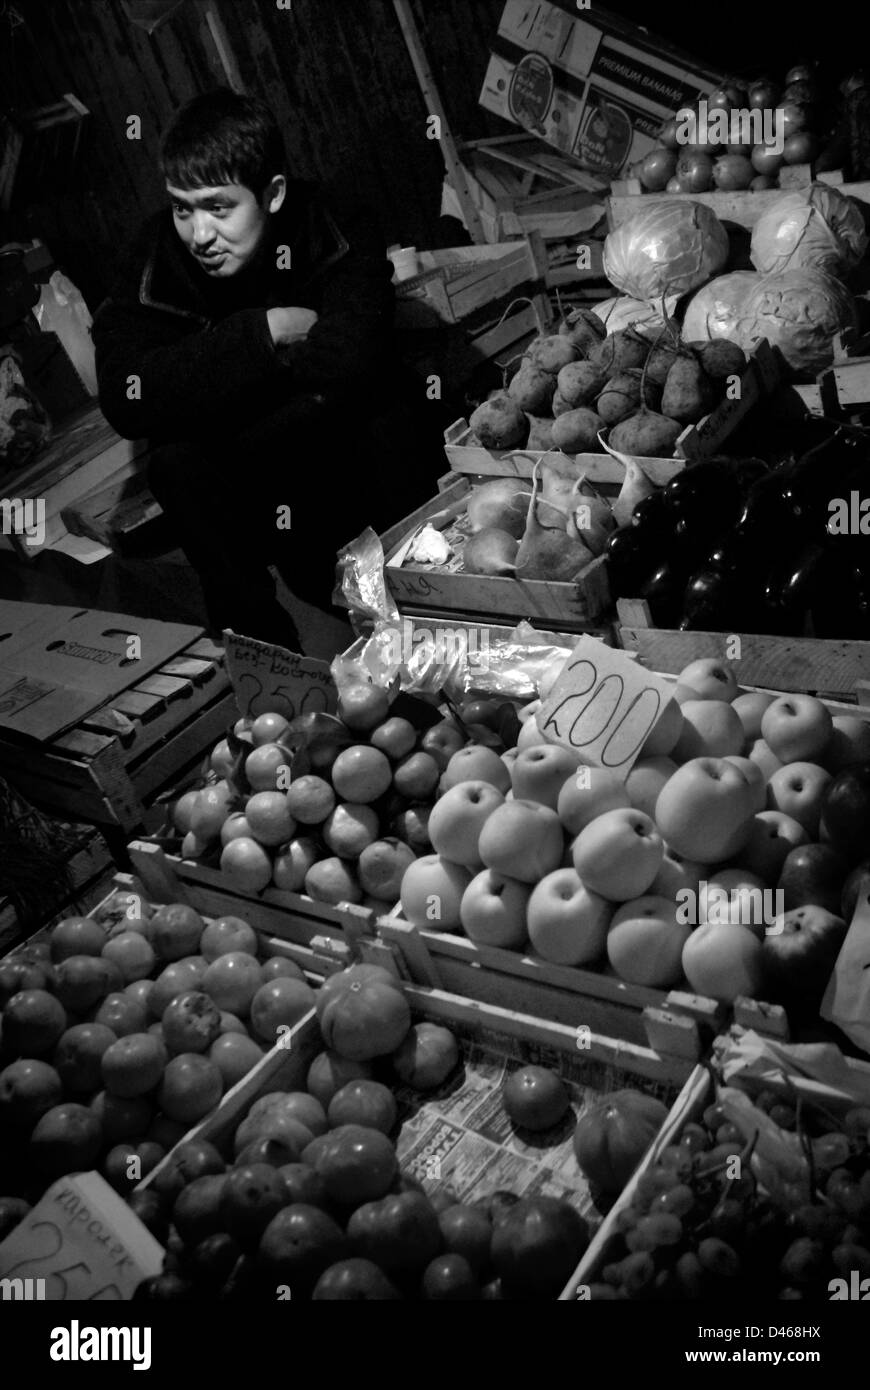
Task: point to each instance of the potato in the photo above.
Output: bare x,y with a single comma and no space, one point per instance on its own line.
576,432
579,383
532,389
551,352
721,359
499,423
646,435
620,351
688,394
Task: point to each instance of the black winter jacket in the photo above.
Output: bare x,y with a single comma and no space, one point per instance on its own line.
202,349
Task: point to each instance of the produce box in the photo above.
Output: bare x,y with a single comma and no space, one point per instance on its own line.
666,1031
783,1076
742,208
593,85
446,590
459,1138
473,285
811,665
22,1178
86,728
761,377
319,937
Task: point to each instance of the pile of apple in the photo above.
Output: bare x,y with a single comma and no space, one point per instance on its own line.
122,1030
696,168
310,1202
344,830
743,792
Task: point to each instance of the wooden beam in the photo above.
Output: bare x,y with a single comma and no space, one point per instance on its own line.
221,40
453,164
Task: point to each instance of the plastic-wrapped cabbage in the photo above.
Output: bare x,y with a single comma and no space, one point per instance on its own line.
798,311
817,228
669,250
624,312
714,311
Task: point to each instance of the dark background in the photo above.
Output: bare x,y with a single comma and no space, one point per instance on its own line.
338,75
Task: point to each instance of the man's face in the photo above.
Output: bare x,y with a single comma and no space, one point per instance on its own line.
222,227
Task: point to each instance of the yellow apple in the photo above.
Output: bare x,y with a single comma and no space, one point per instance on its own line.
619,854
645,942
522,839
493,910
567,924
704,811
723,962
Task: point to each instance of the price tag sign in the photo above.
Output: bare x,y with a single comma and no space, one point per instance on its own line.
80,1242
270,679
603,706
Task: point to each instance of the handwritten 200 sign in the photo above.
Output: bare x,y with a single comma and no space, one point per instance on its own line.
603,706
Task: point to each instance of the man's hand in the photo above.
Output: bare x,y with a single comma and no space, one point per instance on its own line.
290,325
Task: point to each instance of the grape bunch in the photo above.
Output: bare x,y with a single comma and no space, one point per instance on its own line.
694,1231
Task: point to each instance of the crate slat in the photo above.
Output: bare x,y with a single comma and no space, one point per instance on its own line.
774,663
744,208
548,603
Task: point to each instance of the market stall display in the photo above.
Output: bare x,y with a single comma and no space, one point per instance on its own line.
123,1028
756,1183
461,1143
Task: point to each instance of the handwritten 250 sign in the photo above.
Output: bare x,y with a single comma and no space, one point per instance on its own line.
603,706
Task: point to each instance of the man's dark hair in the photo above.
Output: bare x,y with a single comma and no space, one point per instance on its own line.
221,137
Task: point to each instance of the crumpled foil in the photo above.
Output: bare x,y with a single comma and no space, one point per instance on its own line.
363,584
428,655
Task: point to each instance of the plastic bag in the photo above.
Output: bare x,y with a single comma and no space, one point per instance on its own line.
669,250
815,228
62,310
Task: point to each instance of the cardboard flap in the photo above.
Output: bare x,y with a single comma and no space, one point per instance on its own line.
59,664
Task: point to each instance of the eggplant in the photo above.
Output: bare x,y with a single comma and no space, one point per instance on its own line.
632,554
654,510
704,492
663,591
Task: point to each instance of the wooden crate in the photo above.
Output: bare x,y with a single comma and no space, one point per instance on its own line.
466,456
503,1036
814,665
424,589
463,283
105,769
744,208
697,1093
762,376
84,453
673,1027
322,938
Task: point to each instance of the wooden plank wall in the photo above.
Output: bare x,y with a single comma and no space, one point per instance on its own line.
335,71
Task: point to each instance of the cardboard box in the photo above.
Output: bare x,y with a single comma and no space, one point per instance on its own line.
60,664
587,82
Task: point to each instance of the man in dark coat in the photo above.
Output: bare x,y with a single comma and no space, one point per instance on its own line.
250,340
